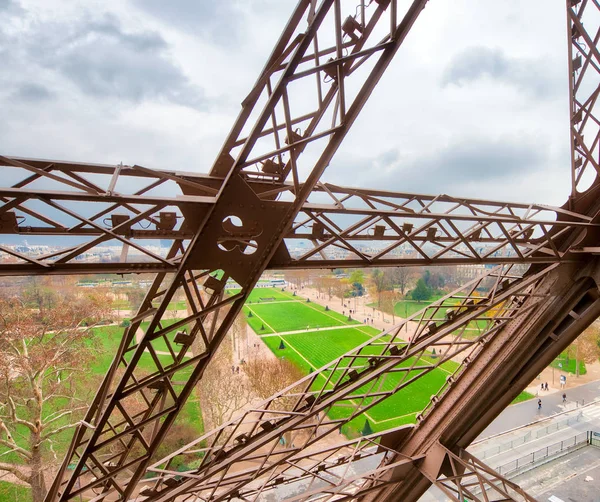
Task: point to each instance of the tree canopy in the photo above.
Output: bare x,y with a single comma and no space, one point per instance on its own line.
421,291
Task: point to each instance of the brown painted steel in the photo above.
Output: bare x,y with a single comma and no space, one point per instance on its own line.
246,216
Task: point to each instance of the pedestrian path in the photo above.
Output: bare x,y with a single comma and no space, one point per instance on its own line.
526,412
505,452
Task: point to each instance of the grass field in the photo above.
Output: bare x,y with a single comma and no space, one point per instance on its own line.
314,349
292,316
406,308
259,295
10,492
270,310
568,364
523,396
109,338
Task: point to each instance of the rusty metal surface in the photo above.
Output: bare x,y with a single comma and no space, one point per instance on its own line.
261,197
333,223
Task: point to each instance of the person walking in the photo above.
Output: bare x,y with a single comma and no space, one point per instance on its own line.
539,405
564,398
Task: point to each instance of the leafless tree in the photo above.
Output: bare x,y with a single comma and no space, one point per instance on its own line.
403,277
388,302
585,348
223,388
43,353
268,376
379,281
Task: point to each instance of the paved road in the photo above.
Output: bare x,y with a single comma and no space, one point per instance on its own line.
526,412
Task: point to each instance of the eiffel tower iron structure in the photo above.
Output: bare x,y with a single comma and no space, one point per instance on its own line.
262,193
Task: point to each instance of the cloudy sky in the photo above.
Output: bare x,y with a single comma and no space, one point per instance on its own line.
474,104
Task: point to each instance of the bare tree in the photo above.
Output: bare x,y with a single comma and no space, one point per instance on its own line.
380,282
268,376
223,388
42,354
403,276
585,348
388,303
341,288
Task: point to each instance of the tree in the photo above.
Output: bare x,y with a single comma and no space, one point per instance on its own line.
42,352
329,285
357,276
269,376
388,302
380,282
341,289
585,348
135,297
402,277
39,294
223,390
433,280
421,291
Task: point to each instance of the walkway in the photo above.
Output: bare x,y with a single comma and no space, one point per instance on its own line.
526,412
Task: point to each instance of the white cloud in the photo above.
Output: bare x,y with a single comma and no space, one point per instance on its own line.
160,85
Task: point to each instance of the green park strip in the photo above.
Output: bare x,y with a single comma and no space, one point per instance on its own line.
259,295
568,364
406,308
523,396
317,349
293,316
109,338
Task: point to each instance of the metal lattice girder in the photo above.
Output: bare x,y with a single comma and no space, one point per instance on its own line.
568,301
464,477
84,217
583,17
111,456
348,387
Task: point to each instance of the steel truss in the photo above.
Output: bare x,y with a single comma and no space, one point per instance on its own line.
407,228
263,193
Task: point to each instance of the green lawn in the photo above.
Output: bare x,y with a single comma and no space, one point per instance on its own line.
405,308
523,396
568,364
259,295
10,492
109,337
292,316
310,351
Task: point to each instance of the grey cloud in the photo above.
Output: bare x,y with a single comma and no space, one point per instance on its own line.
10,8
448,169
106,61
217,21
6,5
221,22
32,93
534,77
